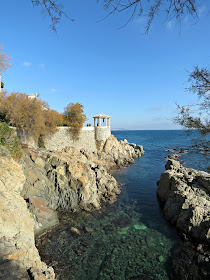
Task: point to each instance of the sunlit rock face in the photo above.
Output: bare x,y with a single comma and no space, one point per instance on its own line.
19,258
74,179
185,192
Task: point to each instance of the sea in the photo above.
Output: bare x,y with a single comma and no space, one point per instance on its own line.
130,239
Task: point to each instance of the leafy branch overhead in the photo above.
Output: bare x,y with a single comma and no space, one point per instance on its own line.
196,116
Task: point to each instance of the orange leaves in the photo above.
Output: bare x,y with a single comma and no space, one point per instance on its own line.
33,115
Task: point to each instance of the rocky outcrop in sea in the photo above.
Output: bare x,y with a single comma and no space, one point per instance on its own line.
185,193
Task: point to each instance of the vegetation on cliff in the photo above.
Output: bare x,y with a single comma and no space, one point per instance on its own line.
34,115
74,117
10,141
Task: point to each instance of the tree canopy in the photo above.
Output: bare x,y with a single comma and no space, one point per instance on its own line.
75,118
34,115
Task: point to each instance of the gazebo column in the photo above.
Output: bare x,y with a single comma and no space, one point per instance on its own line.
108,121
94,121
99,122
104,122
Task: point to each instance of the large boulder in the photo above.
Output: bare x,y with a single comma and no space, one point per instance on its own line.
120,152
68,180
186,198
19,258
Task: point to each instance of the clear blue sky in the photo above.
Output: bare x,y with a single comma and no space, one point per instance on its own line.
135,78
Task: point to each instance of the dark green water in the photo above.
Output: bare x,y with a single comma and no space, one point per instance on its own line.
129,239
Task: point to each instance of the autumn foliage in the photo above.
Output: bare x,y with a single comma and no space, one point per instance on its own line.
36,118
32,115
74,117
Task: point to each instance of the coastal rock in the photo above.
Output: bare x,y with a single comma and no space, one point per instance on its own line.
19,258
173,156
185,193
70,180
74,179
46,181
120,152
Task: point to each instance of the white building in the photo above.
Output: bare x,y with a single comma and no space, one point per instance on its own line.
32,96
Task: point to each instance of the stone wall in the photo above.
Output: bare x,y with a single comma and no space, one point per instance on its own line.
102,133
63,138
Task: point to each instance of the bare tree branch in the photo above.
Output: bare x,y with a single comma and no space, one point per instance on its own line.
151,8
53,10
4,60
198,118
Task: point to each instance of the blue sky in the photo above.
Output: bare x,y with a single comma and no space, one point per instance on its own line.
135,78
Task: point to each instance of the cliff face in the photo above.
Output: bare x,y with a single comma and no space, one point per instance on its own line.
73,179
19,258
185,192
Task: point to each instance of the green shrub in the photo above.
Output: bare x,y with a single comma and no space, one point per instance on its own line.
10,141
2,85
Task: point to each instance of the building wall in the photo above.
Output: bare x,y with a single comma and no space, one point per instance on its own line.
63,138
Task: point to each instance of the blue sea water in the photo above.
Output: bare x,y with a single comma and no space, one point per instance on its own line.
140,179
130,239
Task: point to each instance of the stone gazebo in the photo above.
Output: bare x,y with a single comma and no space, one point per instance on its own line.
105,118
102,132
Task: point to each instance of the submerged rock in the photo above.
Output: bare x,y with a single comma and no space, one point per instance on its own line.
140,227
185,193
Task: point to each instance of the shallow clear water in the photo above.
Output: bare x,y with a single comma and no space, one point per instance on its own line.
129,239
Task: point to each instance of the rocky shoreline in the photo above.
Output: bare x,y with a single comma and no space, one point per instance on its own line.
44,182
185,193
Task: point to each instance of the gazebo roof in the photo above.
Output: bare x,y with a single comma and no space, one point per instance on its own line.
102,116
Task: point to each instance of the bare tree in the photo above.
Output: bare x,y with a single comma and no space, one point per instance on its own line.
53,9
151,8
4,60
196,116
